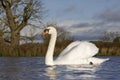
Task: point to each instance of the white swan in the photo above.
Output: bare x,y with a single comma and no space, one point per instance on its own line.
78,52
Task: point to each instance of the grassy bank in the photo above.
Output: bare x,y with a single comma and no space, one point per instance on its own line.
39,49
108,48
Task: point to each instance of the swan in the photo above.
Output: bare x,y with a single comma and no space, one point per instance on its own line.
78,52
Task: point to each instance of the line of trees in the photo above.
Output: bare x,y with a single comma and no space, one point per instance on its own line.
110,37
106,48
18,14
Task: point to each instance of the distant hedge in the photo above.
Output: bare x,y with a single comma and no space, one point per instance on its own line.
39,49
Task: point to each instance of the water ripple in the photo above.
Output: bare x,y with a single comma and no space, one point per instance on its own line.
33,68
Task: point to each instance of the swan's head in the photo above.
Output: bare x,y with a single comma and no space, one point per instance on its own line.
49,30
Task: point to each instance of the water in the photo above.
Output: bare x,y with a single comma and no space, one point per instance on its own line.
33,68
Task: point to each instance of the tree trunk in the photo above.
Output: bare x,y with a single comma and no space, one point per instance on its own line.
15,38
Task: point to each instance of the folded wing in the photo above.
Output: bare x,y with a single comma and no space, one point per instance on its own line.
78,50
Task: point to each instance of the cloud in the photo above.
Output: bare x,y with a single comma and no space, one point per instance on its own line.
110,15
71,8
68,11
81,25
90,30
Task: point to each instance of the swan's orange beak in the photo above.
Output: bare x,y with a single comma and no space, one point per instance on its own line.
45,32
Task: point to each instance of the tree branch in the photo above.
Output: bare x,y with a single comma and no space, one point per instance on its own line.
7,3
26,15
3,4
9,14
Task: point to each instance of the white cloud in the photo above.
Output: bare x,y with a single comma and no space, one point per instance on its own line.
110,15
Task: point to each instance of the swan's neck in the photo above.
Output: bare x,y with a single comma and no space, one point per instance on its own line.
50,51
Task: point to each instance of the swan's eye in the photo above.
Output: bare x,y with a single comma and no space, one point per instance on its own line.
46,30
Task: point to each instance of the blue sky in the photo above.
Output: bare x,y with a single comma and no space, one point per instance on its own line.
85,19
59,10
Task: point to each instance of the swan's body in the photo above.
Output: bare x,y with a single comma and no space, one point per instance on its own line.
78,52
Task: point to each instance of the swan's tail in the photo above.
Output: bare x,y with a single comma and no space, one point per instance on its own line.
98,60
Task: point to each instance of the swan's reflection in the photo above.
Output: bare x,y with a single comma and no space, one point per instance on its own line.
92,68
83,71
51,73
72,72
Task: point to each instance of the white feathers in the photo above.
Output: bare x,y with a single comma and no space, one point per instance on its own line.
78,52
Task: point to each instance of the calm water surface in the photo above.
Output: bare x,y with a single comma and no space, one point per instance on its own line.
33,68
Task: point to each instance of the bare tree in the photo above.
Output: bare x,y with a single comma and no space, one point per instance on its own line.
63,34
31,34
17,14
109,36
117,39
